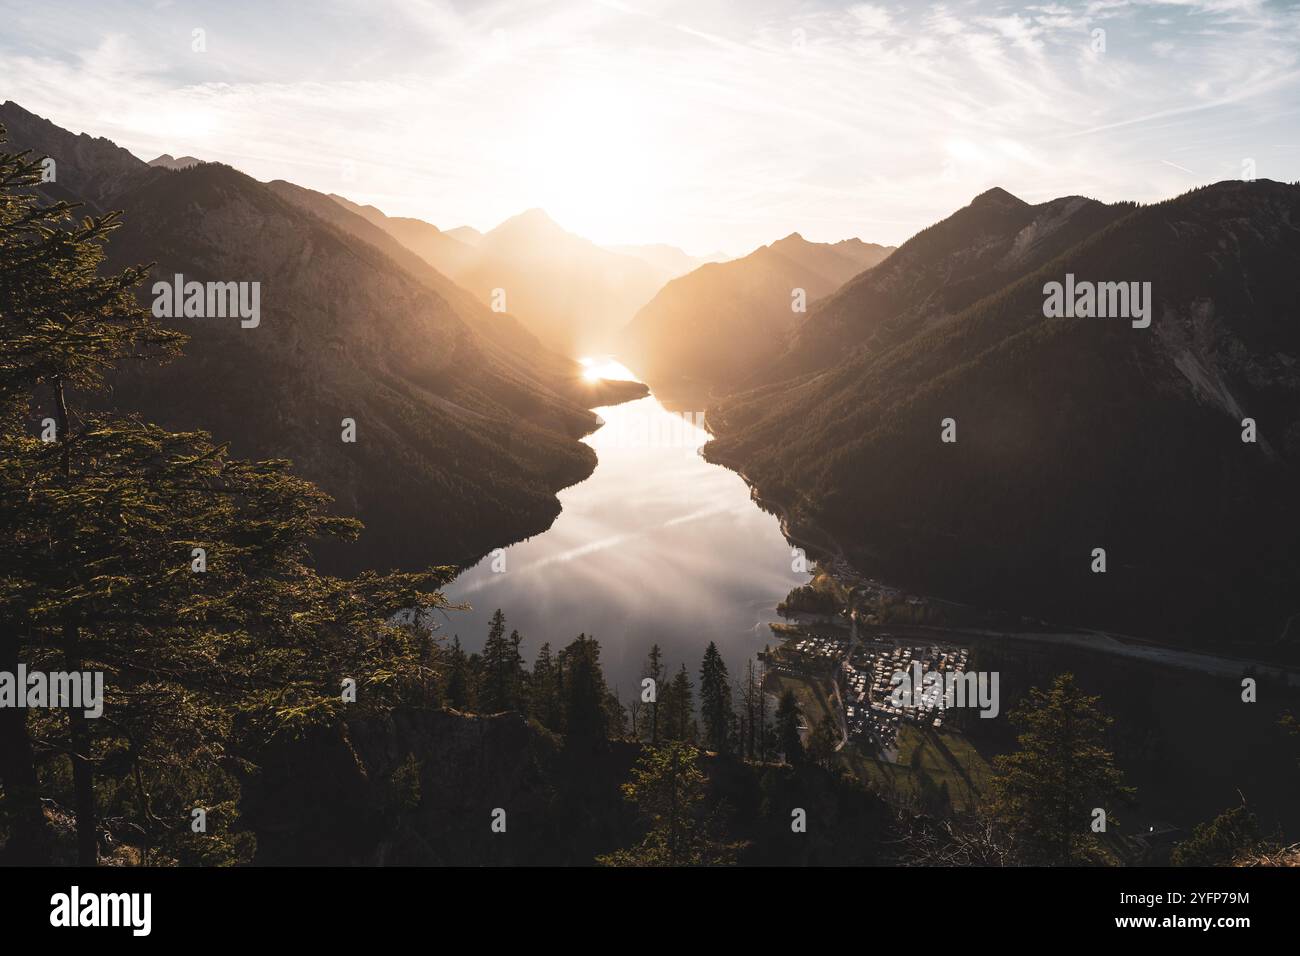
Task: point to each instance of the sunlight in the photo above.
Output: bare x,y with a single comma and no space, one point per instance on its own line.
593,157
604,367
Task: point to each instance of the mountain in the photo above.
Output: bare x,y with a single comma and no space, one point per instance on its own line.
504,330
462,438
168,161
1072,433
438,249
667,261
573,294
716,325
90,169
466,234
569,292
937,273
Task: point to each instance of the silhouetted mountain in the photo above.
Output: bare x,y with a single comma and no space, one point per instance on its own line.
668,262
466,234
567,291
168,161
89,168
937,273
462,441
718,324
1072,433
438,249
372,226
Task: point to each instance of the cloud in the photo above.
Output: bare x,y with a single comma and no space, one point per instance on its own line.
701,123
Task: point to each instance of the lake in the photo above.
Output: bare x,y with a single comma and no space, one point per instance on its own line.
658,545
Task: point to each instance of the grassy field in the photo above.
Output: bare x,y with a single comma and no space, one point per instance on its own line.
812,697
943,757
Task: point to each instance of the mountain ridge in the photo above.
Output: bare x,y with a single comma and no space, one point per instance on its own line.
444,414
710,328
565,289
1009,513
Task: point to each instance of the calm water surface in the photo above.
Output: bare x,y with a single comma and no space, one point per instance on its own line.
657,545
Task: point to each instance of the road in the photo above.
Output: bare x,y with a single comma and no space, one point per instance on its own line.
1113,644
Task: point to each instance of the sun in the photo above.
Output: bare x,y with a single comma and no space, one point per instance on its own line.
604,369
593,159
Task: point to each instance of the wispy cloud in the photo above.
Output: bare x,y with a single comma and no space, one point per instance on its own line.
703,123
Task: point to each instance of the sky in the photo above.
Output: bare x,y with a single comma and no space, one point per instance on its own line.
713,126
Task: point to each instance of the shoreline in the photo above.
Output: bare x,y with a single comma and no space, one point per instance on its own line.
461,566
1097,640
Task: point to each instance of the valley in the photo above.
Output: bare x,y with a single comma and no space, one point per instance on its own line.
657,545
963,541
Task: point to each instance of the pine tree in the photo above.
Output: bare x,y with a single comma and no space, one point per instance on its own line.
101,525
679,708
545,702
715,700
1045,793
787,729
586,706
654,669
493,692
458,689
616,715
1229,837
824,741
749,718
668,787
519,677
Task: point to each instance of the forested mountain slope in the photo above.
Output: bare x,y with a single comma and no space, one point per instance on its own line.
461,442
717,325
1074,433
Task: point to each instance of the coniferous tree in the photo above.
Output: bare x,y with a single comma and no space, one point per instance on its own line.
1046,792
181,575
518,674
654,669
635,713
545,700
458,684
824,741
749,717
715,700
668,787
497,661
586,704
787,729
1229,837
617,714
679,708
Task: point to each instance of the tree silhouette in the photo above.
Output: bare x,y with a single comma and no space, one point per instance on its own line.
182,574
715,700
1045,793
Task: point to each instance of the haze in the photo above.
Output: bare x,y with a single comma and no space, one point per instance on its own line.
704,124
